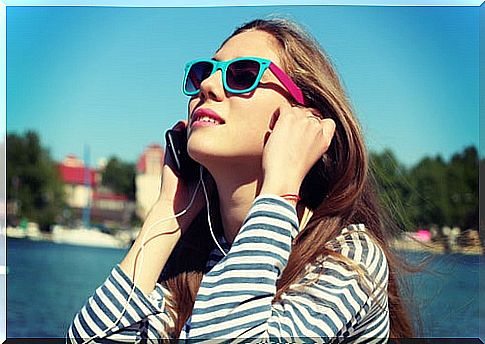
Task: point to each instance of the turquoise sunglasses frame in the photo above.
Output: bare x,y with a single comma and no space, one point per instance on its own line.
264,64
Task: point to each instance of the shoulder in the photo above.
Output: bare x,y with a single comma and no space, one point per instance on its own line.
359,249
349,279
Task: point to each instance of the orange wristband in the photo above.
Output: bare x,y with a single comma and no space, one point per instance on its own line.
291,197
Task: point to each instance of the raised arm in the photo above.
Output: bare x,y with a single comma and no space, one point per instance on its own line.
115,312
235,297
111,312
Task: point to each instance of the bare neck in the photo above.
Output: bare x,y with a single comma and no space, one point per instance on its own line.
237,192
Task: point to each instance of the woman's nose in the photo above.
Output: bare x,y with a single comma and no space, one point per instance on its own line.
212,87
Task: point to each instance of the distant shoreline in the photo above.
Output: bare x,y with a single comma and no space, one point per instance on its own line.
399,244
434,247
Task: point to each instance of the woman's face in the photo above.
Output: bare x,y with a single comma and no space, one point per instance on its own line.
240,139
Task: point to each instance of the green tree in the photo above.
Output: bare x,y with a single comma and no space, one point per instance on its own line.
462,181
430,196
33,179
120,177
446,193
431,192
393,187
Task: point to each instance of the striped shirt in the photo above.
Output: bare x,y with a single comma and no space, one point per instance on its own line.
235,299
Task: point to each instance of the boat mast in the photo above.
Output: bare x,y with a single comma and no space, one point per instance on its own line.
87,184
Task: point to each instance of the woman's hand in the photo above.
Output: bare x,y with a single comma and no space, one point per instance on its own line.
176,193
297,139
161,232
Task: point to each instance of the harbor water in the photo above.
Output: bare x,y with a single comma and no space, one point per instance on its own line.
48,283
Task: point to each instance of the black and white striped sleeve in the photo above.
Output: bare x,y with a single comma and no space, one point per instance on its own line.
141,316
337,304
235,297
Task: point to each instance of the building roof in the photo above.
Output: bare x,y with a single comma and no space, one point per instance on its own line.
75,174
109,196
72,171
141,165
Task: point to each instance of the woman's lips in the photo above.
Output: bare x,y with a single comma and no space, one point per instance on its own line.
197,124
204,112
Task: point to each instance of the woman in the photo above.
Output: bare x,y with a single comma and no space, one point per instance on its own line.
300,246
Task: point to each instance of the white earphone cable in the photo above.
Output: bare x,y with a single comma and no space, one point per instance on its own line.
142,255
143,246
208,216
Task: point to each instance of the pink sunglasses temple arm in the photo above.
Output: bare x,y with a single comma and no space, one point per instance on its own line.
289,84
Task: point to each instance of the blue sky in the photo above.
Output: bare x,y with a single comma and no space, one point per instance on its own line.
111,77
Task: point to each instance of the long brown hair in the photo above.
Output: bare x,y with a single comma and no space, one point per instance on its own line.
340,189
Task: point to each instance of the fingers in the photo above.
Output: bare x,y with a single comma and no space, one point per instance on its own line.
297,113
314,120
299,110
328,127
274,119
314,113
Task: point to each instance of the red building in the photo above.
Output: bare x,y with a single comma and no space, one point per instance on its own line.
106,206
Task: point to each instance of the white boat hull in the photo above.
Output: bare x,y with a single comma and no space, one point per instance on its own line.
85,237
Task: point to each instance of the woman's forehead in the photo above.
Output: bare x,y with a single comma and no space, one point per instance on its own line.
249,43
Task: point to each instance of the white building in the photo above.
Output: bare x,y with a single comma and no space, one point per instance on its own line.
78,192
149,172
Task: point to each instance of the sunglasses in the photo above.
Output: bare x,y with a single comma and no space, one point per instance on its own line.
239,75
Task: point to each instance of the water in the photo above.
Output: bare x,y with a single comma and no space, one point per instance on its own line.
48,283
447,295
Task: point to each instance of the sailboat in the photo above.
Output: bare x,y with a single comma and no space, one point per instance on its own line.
86,235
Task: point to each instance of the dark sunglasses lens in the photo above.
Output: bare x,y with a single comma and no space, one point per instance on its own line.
242,74
198,72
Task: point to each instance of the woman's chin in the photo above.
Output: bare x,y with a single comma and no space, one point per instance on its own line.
203,155
215,153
